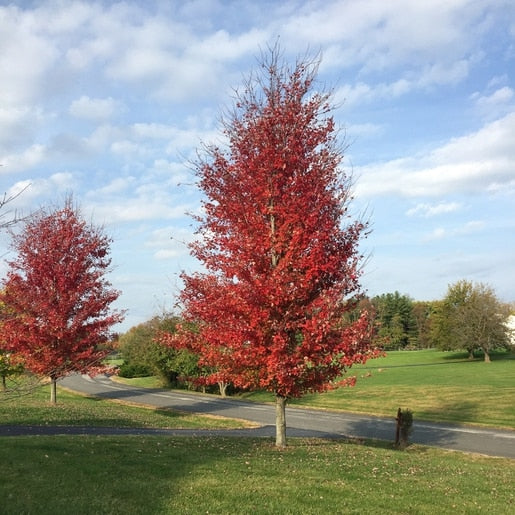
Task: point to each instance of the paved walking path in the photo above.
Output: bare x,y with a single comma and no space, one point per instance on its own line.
300,422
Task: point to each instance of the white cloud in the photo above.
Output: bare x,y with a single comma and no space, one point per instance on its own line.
88,51
116,186
425,77
362,93
137,199
441,233
404,32
26,55
177,137
129,150
496,104
18,126
56,184
175,173
437,234
428,210
500,96
29,158
491,145
421,45
97,109
223,46
362,130
472,163
502,188
17,188
496,81
137,210
443,73
170,242
103,137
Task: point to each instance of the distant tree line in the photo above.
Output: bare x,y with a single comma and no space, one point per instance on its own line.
470,318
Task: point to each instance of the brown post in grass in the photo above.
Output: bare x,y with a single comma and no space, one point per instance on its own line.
398,428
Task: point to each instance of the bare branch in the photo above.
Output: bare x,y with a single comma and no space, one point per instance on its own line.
9,218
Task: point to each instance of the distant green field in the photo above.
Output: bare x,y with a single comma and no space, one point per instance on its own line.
435,385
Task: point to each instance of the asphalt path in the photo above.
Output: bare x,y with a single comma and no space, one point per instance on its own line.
300,422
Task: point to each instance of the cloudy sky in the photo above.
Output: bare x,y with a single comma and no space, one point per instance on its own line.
110,100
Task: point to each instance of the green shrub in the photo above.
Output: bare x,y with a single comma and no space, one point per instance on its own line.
131,370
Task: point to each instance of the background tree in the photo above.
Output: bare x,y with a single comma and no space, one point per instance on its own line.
471,317
279,248
395,321
10,365
144,355
423,315
510,325
57,296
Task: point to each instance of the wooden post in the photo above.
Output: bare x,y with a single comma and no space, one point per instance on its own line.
398,428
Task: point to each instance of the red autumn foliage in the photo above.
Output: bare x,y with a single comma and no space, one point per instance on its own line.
55,294
272,309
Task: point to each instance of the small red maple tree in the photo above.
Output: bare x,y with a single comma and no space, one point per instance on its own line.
281,255
56,296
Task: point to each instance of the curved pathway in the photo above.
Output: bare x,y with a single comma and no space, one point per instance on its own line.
300,421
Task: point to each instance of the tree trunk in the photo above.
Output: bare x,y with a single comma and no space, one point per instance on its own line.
4,383
487,356
222,386
471,353
280,421
53,391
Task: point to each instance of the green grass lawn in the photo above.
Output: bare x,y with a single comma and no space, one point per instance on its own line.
436,386
33,408
161,475
168,475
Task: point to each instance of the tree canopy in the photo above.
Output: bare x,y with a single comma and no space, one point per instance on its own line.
471,317
144,355
56,296
278,244
395,321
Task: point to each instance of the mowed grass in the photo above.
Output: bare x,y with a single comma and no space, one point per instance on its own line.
161,475
435,385
168,475
32,407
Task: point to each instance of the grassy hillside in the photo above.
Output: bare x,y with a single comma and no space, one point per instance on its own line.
436,386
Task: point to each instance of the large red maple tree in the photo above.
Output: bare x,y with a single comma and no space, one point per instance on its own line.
280,250
56,297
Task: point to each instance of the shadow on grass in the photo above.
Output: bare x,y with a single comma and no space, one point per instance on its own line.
381,433
89,472
495,355
452,412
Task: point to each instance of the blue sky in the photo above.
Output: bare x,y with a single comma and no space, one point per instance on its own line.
110,100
